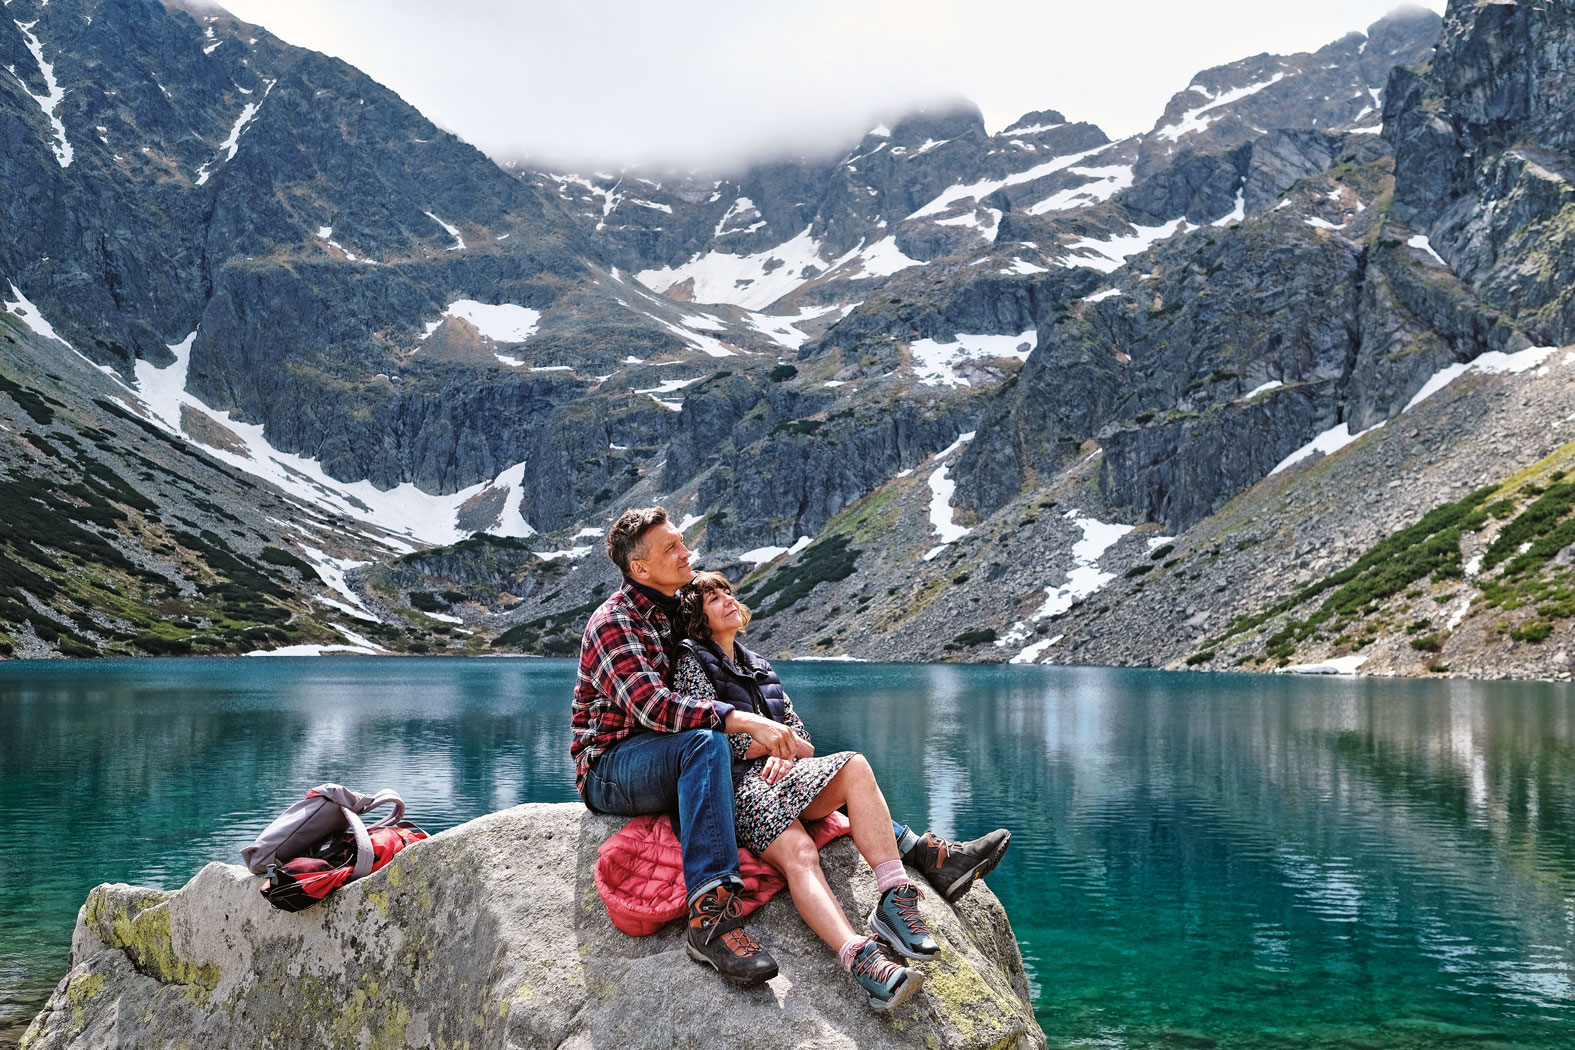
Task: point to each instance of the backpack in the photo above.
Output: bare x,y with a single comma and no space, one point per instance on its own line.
320,843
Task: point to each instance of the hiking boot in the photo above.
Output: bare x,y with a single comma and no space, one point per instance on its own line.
896,920
953,867
887,984
717,937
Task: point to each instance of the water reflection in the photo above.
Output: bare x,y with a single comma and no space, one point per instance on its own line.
1261,859
1252,861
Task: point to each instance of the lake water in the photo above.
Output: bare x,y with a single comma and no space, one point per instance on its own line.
1197,859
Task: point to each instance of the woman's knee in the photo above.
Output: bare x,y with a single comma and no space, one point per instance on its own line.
859,769
795,849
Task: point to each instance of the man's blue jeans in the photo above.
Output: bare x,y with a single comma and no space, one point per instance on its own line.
691,771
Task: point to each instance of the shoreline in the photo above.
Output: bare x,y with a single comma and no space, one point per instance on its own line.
1325,669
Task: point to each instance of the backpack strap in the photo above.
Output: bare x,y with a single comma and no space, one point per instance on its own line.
383,798
363,845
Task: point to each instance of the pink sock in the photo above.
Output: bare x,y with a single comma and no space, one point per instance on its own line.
846,953
889,875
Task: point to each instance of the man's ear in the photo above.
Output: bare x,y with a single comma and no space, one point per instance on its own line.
637,568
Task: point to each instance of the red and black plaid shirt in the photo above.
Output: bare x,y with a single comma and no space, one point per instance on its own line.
621,689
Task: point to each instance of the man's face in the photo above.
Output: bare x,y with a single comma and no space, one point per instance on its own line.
665,565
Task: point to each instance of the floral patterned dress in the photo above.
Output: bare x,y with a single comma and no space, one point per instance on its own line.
763,811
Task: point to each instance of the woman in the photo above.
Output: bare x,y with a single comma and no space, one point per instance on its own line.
773,796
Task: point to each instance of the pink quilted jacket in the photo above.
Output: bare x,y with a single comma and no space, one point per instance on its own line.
640,874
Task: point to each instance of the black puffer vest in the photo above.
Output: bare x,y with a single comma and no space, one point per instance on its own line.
749,684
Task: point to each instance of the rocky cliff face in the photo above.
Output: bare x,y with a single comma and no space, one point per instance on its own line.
492,934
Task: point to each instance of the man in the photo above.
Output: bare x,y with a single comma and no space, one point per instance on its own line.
639,747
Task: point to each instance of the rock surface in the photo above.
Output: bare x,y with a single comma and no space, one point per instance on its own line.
492,935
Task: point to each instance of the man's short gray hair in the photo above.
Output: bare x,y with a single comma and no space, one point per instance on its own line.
626,539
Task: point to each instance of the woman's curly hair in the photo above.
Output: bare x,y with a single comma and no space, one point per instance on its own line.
691,603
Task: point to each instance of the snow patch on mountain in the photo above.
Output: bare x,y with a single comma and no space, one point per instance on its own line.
881,259
787,329
1421,242
232,143
402,511
453,231
942,487
1492,362
22,308
935,363
669,386
954,195
1083,579
1327,443
760,555
1107,181
332,571
1199,119
743,206
1264,388
500,322
50,101
751,281
1108,256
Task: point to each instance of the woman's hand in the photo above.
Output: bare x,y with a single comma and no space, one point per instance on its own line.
775,769
802,748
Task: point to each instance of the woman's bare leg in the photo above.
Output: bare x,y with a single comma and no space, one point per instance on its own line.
854,786
795,856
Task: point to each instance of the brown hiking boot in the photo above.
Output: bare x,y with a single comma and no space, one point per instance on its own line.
717,937
953,867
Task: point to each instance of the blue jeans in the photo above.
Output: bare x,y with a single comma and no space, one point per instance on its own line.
691,771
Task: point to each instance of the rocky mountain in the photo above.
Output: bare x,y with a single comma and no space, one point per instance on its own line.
931,395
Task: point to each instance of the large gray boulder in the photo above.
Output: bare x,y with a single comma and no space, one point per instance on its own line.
492,935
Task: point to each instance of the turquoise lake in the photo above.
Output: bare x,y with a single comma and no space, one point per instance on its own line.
1198,860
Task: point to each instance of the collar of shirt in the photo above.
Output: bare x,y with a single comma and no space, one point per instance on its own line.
668,604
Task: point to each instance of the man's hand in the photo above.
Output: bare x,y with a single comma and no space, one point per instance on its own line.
776,738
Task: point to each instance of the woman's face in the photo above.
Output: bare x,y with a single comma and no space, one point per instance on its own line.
722,612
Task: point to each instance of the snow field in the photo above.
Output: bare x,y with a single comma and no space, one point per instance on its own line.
935,363
501,322
51,100
942,487
1492,362
1193,120
1420,241
453,231
1083,579
980,190
403,511
1110,255
1107,182
760,555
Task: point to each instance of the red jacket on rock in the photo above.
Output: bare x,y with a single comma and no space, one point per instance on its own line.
640,873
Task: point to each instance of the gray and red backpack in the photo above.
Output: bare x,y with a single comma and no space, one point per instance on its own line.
320,843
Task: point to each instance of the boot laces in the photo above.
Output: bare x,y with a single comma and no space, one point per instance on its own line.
907,905
876,966
720,920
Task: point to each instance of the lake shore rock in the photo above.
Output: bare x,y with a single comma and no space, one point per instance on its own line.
492,934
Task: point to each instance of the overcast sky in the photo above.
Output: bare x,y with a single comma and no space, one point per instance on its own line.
710,83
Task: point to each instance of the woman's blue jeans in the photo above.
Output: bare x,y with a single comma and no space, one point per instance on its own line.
690,771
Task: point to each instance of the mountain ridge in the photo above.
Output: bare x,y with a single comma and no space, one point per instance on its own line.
921,338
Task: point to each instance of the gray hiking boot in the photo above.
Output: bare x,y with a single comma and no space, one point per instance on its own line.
896,920
887,984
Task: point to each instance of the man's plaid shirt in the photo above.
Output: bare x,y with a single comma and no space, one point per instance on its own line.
621,689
